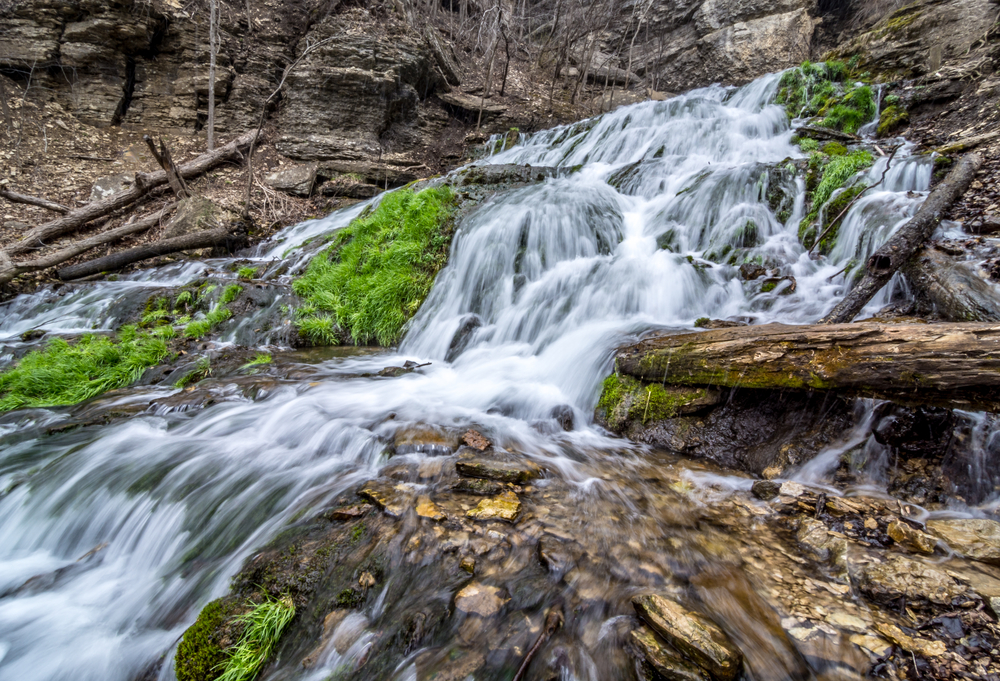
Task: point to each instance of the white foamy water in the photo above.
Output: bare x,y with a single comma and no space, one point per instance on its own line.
550,279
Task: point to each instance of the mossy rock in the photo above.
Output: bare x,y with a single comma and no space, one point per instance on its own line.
626,399
201,653
893,118
834,149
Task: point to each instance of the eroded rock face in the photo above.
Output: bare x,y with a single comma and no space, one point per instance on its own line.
898,576
975,538
729,41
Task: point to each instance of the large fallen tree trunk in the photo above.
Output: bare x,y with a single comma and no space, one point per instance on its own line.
901,246
957,293
954,364
9,269
209,238
73,220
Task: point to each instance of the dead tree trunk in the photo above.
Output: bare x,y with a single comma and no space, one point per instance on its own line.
952,287
162,156
953,364
213,42
895,252
73,220
208,238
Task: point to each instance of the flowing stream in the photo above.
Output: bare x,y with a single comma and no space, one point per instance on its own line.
112,537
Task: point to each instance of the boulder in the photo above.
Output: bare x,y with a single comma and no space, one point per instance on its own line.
975,538
106,187
910,538
470,106
298,180
506,506
695,636
424,439
196,214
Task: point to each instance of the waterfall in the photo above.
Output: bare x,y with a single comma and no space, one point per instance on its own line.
112,537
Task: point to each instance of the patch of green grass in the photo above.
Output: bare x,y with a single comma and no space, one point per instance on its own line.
836,172
263,627
854,109
246,272
63,374
203,367
377,271
230,293
260,359
808,144
218,314
826,90
184,300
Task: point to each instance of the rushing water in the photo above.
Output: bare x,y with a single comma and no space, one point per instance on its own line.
131,527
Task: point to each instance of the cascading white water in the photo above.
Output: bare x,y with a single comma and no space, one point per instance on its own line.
135,525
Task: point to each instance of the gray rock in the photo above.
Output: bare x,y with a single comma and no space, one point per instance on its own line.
106,187
195,214
494,464
695,636
298,180
765,490
975,538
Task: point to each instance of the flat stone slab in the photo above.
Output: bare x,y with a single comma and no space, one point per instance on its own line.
495,464
665,662
394,499
697,637
298,180
480,599
899,575
505,506
975,538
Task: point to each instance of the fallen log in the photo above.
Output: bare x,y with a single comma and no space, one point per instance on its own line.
73,220
957,365
33,201
166,161
957,293
901,246
9,269
209,238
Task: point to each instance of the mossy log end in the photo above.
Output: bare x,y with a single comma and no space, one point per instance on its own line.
902,245
957,365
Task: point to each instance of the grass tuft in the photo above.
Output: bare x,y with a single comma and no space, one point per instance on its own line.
63,374
246,272
260,359
377,271
263,627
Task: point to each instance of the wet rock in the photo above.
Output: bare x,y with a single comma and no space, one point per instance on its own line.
663,661
783,285
495,464
479,487
422,439
395,372
923,647
505,506
910,538
462,336
815,538
899,575
975,538
872,644
428,509
695,636
751,270
706,323
765,490
475,439
330,624
350,512
480,599
564,416
468,563
392,498
298,180
556,556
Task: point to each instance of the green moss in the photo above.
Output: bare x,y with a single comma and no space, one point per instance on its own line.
768,286
832,211
893,118
834,149
701,322
199,656
854,109
218,314
819,90
349,598
378,270
625,399
835,173
63,374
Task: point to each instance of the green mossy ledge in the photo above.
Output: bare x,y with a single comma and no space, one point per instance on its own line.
378,270
826,175
625,399
828,91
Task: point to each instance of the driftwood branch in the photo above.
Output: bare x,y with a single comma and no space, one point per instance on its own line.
954,364
75,219
33,201
957,293
208,238
9,270
901,246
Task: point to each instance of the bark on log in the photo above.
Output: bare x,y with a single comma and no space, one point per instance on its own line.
901,246
957,365
73,220
9,270
208,238
33,201
174,178
957,293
